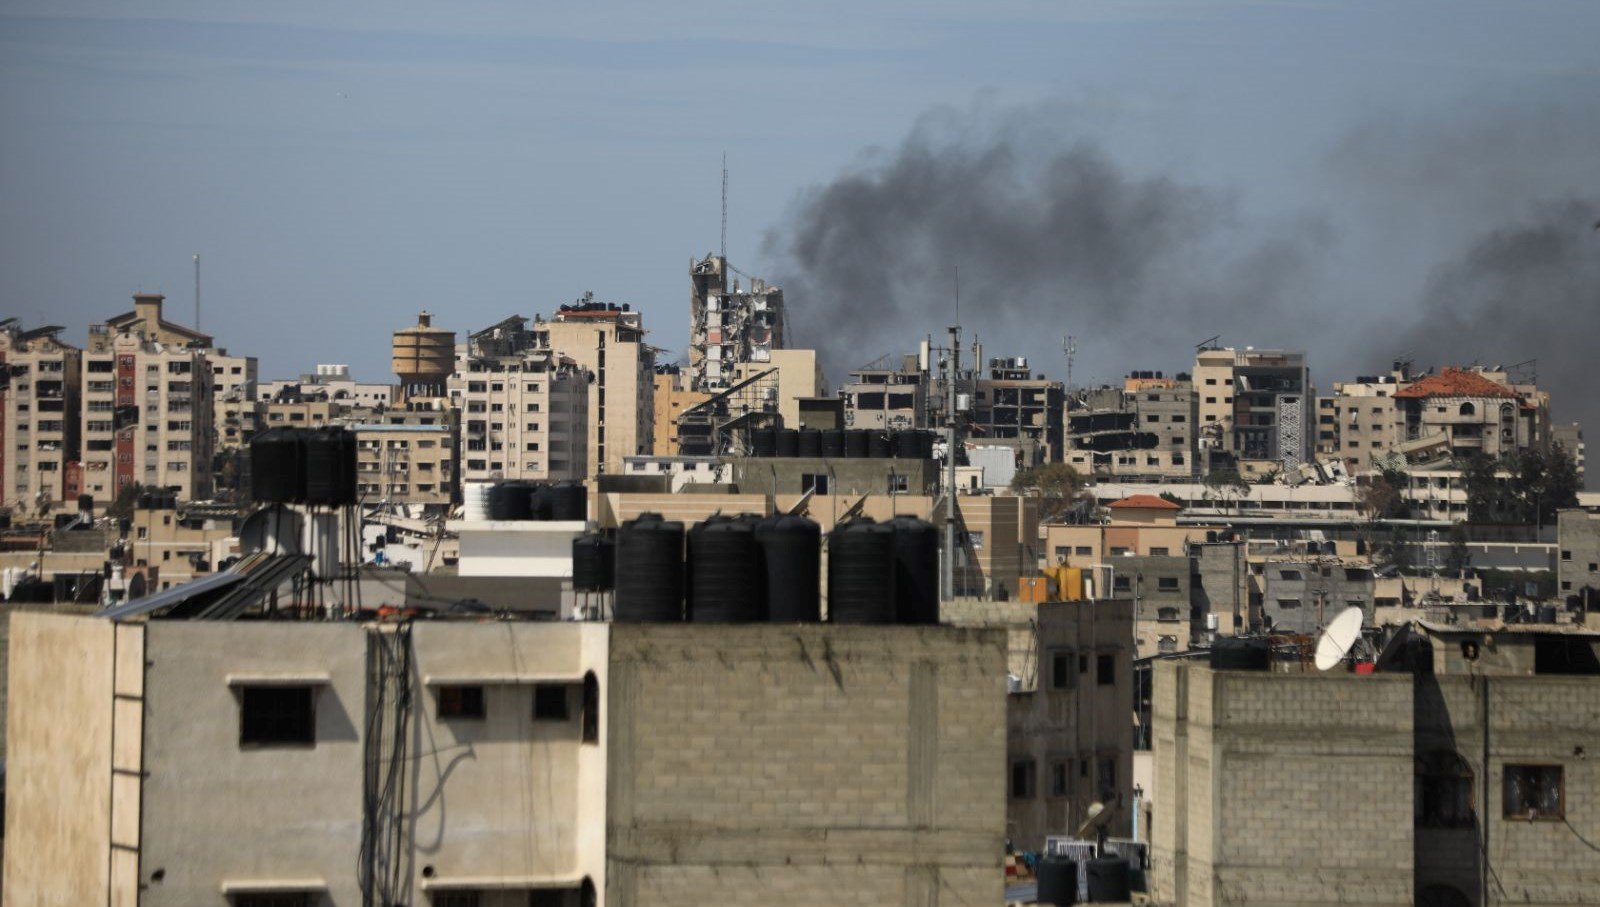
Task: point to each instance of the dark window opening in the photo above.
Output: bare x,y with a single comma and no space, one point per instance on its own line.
1059,773
277,716
276,899
1106,670
550,702
460,702
1022,779
1167,583
1106,776
1534,792
591,709
1060,671
457,899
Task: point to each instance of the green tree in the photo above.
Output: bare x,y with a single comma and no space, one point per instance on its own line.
1057,486
1226,485
122,507
1457,556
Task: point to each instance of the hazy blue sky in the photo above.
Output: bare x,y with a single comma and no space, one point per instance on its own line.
340,166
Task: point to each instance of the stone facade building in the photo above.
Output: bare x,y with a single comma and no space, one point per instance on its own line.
40,429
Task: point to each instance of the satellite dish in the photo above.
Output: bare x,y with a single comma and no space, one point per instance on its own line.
275,530
1098,817
1337,639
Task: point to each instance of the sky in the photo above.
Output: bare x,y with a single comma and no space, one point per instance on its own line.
1336,168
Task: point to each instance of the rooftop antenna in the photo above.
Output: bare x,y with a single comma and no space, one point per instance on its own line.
197,291
724,246
1206,344
1342,633
1069,345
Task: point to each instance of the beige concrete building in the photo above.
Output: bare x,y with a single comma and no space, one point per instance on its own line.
885,398
40,416
1068,737
729,327
1145,429
235,387
524,410
545,763
1445,781
608,342
405,464
1256,409
1013,406
148,405
799,377
670,398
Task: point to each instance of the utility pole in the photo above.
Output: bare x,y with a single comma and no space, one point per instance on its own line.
723,249
952,436
197,291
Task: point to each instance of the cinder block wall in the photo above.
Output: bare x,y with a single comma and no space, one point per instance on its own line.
809,765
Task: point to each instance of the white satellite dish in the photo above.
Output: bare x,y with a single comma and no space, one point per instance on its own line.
1097,817
1341,634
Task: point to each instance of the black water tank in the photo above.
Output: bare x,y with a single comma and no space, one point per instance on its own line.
861,573
858,443
593,563
907,444
86,503
791,556
916,570
1241,654
539,502
649,570
1058,881
509,501
810,442
788,442
880,445
925,441
568,501
833,443
1107,880
277,466
330,468
764,442
724,577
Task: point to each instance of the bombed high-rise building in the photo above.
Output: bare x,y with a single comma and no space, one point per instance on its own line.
728,327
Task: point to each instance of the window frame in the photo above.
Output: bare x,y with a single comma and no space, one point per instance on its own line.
251,733
460,702
1536,814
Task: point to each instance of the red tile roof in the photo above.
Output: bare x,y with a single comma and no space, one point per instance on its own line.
1456,382
1143,502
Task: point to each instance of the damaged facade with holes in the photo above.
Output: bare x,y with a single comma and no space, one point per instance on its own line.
485,763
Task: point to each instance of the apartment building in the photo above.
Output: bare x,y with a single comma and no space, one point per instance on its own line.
1255,408
884,397
1013,406
235,387
524,409
1472,412
40,386
1578,566
405,464
1457,774
670,397
1300,594
334,382
607,341
1360,421
148,406
729,327
1146,429
1067,737
548,763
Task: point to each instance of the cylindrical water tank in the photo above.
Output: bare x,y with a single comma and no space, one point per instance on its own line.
593,563
791,555
1107,880
649,569
509,501
788,442
1241,654
724,577
475,500
810,442
832,443
538,500
858,443
277,466
569,501
764,442
1058,881
861,573
86,503
916,570
925,441
907,445
330,468
880,444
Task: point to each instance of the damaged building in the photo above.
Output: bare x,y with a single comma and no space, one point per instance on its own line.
729,325
1142,431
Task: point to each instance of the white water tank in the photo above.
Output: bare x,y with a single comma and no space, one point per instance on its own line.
475,500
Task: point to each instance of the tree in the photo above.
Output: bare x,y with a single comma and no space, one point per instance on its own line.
1457,556
1378,498
1057,486
122,507
1527,487
1226,485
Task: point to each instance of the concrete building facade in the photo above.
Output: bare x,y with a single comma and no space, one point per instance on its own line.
41,380
405,464
1144,430
546,763
524,410
729,327
670,397
1011,404
608,341
1256,408
148,405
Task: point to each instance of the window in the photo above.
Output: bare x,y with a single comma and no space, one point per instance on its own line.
550,702
1119,551
1061,677
1566,555
277,899
456,899
1288,603
277,715
460,702
899,484
1443,791
1083,664
1291,575
1160,552
1022,779
1168,615
1167,584
1106,778
1105,670
1534,792
1060,771
591,709
817,484
1082,550
1120,584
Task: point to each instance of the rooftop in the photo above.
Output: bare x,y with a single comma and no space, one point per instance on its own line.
1456,382
1143,502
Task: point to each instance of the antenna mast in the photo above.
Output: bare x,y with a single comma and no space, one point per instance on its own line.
724,246
197,291
1069,346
